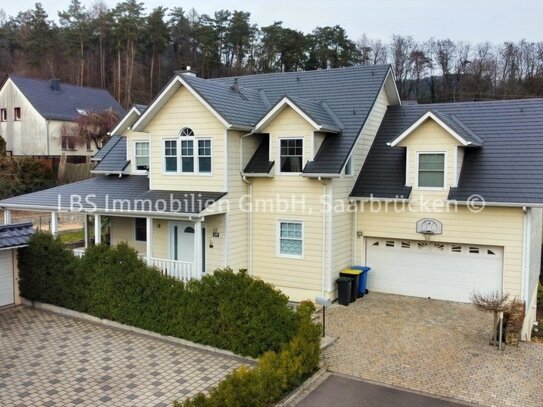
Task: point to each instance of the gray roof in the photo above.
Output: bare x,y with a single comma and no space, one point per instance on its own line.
141,108
507,168
459,128
15,235
260,161
349,93
114,158
242,108
63,105
319,112
107,192
106,148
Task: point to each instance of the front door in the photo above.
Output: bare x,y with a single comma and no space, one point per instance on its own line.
182,241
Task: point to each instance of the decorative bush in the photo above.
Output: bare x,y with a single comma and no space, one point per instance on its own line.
227,310
276,374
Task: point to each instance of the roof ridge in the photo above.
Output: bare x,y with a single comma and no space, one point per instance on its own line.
61,82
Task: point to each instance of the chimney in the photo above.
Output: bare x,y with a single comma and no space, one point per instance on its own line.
54,84
235,85
187,71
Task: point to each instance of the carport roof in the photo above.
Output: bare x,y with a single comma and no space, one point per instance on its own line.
15,235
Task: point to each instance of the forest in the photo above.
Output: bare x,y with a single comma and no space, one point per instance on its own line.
133,52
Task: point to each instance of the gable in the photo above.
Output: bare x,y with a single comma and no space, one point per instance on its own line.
429,135
183,109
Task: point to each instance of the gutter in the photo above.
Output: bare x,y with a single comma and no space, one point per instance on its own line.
103,211
527,215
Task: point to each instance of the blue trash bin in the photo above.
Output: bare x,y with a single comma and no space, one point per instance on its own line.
363,282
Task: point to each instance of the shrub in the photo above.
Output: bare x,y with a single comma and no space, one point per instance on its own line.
276,374
228,310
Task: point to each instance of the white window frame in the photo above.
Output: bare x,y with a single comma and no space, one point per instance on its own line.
3,115
445,160
180,157
198,156
278,239
163,154
136,142
349,164
195,155
279,154
17,118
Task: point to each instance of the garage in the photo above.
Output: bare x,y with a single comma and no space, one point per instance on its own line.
7,295
12,237
443,271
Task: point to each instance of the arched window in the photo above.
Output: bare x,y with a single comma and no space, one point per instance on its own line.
189,229
187,149
186,132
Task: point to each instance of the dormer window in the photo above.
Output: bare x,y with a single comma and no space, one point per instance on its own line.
431,170
292,151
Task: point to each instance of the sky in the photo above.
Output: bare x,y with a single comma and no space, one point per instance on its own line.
464,20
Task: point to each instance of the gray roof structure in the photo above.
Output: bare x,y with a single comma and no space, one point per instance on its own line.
459,128
260,161
106,148
318,112
15,235
63,104
141,108
507,168
108,194
349,93
114,158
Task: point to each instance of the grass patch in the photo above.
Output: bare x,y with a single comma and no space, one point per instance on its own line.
71,236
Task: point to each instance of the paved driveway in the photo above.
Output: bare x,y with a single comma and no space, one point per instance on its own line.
50,360
434,347
340,391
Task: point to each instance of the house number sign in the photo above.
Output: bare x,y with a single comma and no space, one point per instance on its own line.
429,226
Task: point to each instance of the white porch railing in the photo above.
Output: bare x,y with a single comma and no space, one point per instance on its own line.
181,270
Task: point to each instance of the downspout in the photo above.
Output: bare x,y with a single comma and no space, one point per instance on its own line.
324,243
250,219
524,252
355,227
47,127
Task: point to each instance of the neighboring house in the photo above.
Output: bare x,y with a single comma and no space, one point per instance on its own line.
33,112
12,237
289,175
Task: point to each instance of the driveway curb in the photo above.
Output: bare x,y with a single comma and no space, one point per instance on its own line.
128,328
311,382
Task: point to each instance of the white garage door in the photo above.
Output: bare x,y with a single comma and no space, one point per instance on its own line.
441,271
6,278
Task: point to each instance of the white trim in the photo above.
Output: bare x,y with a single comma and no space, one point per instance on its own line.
350,163
195,156
135,156
278,160
330,234
122,126
278,239
428,115
280,106
226,169
97,229
445,158
150,111
148,237
456,175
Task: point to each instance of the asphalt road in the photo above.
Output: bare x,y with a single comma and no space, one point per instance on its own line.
340,391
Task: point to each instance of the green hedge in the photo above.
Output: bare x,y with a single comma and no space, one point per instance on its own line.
276,374
227,310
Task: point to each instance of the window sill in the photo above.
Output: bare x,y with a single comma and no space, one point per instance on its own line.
290,256
188,174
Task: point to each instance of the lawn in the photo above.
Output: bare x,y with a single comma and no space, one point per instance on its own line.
72,236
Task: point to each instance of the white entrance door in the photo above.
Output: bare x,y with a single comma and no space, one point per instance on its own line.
182,241
6,278
441,271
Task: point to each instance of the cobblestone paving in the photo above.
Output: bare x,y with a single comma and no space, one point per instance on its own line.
50,360
432,346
